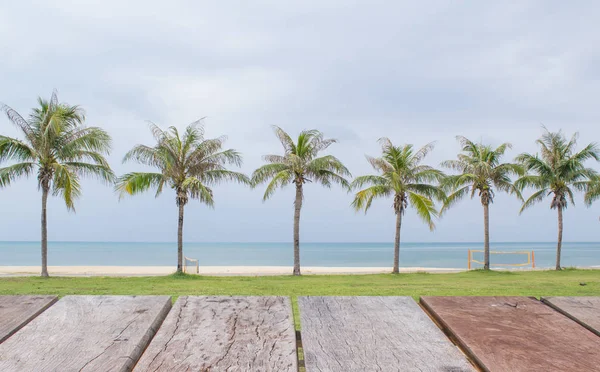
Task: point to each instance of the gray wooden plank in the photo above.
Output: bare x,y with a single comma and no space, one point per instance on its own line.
214,333
16,311
86,333
374,334
583,310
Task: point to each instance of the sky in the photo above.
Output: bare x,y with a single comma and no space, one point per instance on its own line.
415,72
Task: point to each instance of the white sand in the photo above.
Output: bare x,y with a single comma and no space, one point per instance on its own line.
205,270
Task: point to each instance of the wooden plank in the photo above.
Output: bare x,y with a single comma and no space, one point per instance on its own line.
515,334
373,334
16,311
583,310
212,333
86,333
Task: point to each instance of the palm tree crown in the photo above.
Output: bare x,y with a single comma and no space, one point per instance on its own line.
60,148
300,164
403,178
558,170
187,163
480,172
58,145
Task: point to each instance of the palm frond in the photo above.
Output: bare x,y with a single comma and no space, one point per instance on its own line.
66,184
278,180
267,171
13,149
11,173
432,192
424,207
197,190
364,198
214,177
19,122
99,171
368,180
285,139
137,182
455,197
91,139
537,197
592,191
146,155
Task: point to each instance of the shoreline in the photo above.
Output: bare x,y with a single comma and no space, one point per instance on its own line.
132,271
12,271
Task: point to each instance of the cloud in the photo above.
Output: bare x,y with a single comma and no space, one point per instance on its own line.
414,72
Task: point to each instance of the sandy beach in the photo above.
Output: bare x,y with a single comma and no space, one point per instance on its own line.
206,270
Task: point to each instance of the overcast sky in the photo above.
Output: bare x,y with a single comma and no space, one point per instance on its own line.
357,70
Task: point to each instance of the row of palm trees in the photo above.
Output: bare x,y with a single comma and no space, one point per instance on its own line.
60,149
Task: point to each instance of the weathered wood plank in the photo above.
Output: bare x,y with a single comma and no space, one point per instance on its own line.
373,334
583,310
16,311
213,333
515,334
86,333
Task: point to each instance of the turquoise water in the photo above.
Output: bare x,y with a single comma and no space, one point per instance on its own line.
452,255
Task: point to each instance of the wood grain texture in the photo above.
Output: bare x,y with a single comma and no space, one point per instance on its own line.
16,311
212,333
583,310
515,334
86,333
373,334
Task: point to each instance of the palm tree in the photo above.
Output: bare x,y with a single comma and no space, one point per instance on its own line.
403,177
189,164
556,171
480,172
58,145
299,164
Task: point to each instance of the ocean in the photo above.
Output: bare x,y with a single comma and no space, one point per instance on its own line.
446,255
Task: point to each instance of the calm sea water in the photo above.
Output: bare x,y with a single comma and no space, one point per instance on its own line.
452,255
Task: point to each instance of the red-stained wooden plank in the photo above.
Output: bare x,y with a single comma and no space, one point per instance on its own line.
515,334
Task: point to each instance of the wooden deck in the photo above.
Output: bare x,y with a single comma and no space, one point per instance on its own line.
16,311
373,334
515,334
217,333
583,310
224,334
86,333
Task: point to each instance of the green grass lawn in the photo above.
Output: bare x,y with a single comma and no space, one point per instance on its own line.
473,283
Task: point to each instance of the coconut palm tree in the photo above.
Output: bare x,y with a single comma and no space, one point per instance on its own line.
60,148
481,172
557,170
299,164
187,163
406,180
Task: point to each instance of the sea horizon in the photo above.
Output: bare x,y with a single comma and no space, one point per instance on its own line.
317,254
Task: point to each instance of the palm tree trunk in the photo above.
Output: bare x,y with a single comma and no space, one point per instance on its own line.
45,190
297,207
560,234
396,269
486,236
180,240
